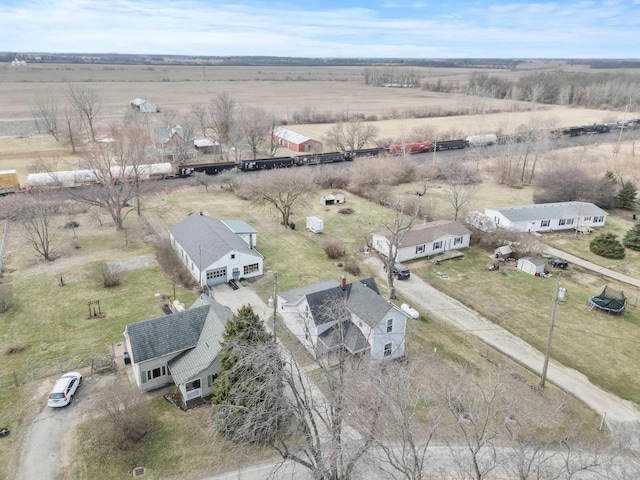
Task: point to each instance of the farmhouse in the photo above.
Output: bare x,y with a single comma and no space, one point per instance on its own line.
180,348
216,251
176,144
547,217
427,239
295,141
330,315
143,106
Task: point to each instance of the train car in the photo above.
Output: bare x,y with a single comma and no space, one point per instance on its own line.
482,140
451,144
320,158
208,168
9,182
410,147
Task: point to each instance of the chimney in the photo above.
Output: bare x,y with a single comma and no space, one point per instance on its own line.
343,282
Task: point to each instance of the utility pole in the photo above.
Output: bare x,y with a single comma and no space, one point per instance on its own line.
275,303
553,318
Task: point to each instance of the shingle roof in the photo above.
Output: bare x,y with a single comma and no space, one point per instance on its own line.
164,335
550,211
430,231
290,136
239,226
206,239
195,360
362,298
354,340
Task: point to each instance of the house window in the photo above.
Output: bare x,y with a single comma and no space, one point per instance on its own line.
390,325
195,385
387,349
457,241
599,219
218,273
437,245
420,249
251,268
545,223
566,221
155,373
586,219
211,379
233,256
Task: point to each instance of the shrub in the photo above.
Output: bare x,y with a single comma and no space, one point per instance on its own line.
71,224
632,237
346,211
109,277
352,267
7,297
173,266
15,348
333,248
607,245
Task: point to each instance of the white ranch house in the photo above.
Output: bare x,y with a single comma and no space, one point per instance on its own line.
425,240
373,327
547,217
216,251
180,348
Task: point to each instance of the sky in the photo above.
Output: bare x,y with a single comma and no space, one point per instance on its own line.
326,29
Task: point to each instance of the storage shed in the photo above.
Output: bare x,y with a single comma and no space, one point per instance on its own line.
531,265
315,224
335,197
144,106
295,141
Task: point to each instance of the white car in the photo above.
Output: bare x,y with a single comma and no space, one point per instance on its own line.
64,389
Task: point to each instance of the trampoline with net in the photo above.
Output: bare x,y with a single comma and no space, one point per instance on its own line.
609,300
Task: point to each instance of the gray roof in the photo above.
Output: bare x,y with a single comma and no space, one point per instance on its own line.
429,232
544,211
195,360
165,134
165,335
354,340
206,239
291,136
534,260
239,226
361,298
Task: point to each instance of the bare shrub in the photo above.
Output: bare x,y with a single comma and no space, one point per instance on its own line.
327,178
173,266
351,266
333,248
126,419
522,243
346,211
7,297
572,183
109,277
14,348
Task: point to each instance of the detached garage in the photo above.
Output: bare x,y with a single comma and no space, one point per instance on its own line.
531,265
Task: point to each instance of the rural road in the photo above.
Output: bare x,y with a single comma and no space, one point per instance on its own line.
425,298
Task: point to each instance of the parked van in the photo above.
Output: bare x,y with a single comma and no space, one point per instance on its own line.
400,271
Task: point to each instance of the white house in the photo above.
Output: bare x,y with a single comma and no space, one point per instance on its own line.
547,217
425,240
216,251
180,348
370,325
332,198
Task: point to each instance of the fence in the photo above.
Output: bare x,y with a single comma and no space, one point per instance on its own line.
99,359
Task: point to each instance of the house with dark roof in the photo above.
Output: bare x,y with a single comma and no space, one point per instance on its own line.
330,315
216,251
547,217
424,240
180,348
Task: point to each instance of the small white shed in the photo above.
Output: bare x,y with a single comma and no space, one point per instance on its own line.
531,265
315,224
335,197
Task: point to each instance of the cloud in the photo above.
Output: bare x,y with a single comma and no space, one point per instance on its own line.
413,29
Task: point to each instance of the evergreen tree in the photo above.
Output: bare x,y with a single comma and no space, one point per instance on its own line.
632,237
607,245
627,196
247,394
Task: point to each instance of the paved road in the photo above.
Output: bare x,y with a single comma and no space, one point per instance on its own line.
425,298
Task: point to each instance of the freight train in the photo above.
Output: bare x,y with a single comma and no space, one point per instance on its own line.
76,178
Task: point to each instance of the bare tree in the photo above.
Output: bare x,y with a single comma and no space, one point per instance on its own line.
86,103
70,133
201,114
116,169
255,128
458,195
36,211
350,136
274,144
284,190
397,225
222,121
46,114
